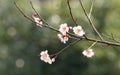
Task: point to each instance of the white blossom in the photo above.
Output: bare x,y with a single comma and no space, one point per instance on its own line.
88,53
78,30
64,28
53,59
37,19
63,38
46,58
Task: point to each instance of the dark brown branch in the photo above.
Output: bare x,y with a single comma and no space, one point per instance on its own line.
90,21
73,35
68,3
103,42
86,38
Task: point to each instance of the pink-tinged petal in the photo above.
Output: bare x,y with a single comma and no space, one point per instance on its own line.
41,53
63,38
88,53
78,31
70,27
37,19
53,59
64,28
46,58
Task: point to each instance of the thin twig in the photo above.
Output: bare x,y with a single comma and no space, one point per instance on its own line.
37,13
22,12
68,3
71,44
90,21
103,42
111,36
73,35
91,8
92,45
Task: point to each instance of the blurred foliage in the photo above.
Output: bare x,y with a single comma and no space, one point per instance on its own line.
21,40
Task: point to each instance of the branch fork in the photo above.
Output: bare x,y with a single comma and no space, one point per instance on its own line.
45,24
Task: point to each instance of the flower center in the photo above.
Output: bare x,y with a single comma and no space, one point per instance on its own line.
78,30
66,35
64,28
45,55
88,52
39,20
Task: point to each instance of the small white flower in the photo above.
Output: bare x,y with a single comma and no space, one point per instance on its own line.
37,19
63,38
64,28
53,59
46,58
78,31
88,53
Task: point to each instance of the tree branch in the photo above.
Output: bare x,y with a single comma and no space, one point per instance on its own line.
73,35
86,38
91,8
111,36
68,3
71,44
90,21
23,12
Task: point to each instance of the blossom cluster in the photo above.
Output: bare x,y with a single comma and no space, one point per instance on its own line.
37,19
63,36
64,29
78,30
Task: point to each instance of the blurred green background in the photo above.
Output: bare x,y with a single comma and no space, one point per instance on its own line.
21,40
